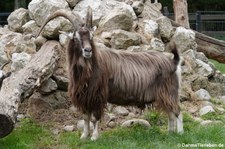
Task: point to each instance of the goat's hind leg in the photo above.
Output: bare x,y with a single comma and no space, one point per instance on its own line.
86,128
175,124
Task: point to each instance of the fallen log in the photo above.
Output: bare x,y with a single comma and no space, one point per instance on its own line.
211,47
21,84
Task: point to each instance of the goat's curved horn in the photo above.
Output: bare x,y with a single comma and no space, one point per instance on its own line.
72,17
88,22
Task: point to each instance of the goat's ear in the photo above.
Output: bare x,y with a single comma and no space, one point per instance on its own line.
70,35
88,21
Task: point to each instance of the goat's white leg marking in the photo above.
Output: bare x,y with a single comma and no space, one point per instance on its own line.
95,133
86,129
180,128
172,122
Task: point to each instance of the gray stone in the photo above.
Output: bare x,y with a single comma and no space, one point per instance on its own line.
48,86
151,29
17,19
165,28
132,122
204,69
118,18
72,3
208,122
101,8
40,9
122,39
157,44
205,110
138,7
30,27
184,39
19,60
119,110
69,128
111,124
203,94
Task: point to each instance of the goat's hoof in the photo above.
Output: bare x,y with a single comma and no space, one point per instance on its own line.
84,136
94,137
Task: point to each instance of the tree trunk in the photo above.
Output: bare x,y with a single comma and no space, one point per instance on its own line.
21,84
181,12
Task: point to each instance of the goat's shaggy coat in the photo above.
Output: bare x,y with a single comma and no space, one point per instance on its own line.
99,76
121,77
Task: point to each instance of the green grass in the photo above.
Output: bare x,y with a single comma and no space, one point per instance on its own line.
34,136
219,66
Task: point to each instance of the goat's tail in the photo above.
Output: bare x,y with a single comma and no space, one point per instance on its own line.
176,58
171,47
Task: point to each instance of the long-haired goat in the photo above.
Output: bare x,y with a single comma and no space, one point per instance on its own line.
99,76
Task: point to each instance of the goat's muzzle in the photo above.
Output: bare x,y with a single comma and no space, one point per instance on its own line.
87,52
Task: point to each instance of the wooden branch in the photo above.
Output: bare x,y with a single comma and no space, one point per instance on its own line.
21,84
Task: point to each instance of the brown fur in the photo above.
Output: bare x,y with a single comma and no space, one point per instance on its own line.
121,77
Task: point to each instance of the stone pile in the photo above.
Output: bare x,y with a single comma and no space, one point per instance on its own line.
119,24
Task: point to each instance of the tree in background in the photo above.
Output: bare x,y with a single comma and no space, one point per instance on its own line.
181,12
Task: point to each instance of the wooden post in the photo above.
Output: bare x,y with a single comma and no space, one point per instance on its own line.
21,84
181,12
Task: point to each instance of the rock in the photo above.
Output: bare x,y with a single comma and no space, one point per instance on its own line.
63,39
30,28
118,18
204,69
7,43
17,19
101,8
201,56
61,82
184,39
69,128
222,100
19,60
157,44
132,122
48,86
72,3
205,110
199,82
208,122
203,94
138,7
165,28
80,125
111,124
52,28
40,9
151,29
122,39
119,110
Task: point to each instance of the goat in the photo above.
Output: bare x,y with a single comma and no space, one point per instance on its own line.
98,76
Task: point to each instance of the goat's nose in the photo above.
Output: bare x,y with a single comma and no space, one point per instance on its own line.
87,50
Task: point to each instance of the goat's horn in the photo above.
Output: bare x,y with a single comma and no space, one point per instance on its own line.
72,17
88,22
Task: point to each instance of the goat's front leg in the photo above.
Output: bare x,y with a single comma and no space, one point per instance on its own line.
95,134
180,128
86,128
172,122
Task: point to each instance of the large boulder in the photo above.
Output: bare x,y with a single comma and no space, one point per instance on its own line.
40,9
116,19
19,60
72,3
122,39
165,28
101,8
184,39
17,19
